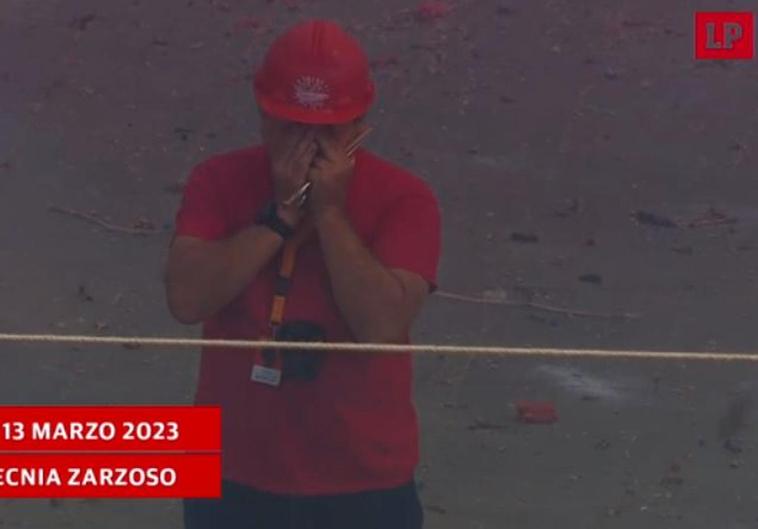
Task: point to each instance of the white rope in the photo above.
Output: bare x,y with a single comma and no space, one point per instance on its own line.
384,348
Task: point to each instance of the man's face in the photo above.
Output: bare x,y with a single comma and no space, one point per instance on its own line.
272,129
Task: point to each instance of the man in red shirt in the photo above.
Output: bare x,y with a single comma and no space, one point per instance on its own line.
311,440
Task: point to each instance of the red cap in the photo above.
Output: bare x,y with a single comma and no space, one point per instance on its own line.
315,73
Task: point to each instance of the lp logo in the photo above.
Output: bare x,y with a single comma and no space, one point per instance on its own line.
724,35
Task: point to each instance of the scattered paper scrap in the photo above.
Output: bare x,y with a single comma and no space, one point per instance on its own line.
536,412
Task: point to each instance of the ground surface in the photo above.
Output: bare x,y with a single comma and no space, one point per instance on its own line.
552,118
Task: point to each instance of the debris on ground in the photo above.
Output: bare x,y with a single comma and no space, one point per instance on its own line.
142,223
735,418
83,295
183,133
736,146
246,22
536,412
712,217
495,294
536,306
432,9
552,322
595,279
572,207
611,74
481,424
602,445
505,11
524,237
94,218
83,21
733,446
653,219
224,7
673,476
684,250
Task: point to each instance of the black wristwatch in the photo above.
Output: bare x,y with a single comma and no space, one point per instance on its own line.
268,217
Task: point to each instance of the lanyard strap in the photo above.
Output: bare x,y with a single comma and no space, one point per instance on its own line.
286,267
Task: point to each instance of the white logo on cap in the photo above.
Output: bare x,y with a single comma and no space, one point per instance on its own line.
311,92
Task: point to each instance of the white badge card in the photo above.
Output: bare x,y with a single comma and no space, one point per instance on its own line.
266,375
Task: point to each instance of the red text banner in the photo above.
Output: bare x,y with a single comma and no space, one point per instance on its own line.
110,428
110,476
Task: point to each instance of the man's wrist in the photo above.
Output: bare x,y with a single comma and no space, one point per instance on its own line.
290,215
271,219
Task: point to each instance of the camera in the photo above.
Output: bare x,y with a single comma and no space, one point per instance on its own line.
298,364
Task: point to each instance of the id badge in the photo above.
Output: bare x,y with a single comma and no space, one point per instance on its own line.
266,375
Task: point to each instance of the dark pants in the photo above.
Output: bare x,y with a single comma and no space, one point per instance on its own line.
245,508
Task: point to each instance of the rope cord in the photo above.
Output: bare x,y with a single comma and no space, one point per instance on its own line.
383,347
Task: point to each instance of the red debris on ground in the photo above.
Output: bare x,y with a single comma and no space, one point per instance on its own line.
536,412
432,9
712,217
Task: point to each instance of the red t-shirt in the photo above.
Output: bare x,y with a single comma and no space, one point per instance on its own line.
354,427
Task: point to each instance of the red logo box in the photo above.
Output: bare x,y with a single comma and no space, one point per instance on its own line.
724,35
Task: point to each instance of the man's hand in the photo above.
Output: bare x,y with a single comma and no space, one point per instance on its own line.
292,152
329,175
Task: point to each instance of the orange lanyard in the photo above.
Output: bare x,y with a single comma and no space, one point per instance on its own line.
286,268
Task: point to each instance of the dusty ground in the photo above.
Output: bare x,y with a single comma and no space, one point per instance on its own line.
552,118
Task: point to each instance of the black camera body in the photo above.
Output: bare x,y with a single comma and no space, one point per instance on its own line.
298,364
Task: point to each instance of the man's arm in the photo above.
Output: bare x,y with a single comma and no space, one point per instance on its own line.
202,277
205,273
378,304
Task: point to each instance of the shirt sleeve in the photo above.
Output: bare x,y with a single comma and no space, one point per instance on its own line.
409,236
202,211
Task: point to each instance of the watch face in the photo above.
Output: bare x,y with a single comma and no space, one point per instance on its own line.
269,218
